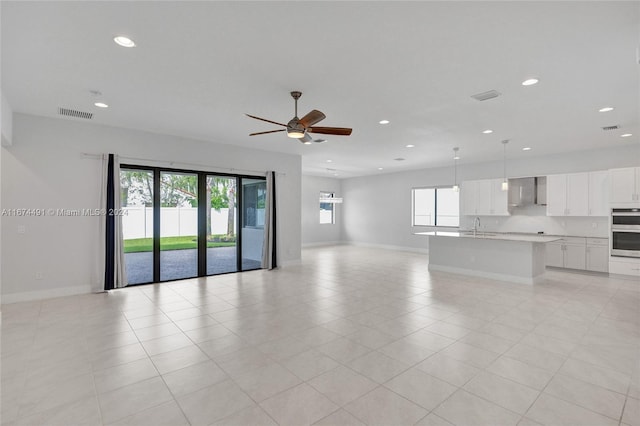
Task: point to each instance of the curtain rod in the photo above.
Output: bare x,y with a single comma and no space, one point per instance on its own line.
171,163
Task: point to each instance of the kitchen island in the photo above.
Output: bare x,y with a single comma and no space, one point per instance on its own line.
508,257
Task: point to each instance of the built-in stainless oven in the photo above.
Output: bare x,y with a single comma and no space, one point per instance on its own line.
625,232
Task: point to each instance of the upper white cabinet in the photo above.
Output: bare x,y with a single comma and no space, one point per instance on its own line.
484,198
625,185
556,195
469,195
500,200
578,194
599,193
568,195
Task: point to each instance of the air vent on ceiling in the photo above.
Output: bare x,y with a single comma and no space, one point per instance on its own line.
399,159
75,113
486,95
614,127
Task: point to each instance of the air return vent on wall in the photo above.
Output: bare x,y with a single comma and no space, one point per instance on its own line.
486,95
75,113
614,127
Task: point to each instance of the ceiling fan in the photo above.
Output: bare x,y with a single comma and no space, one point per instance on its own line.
299,128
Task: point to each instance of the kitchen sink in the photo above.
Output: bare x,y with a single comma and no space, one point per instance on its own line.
479,234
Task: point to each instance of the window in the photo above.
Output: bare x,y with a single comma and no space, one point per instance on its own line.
327,209
436,207
254,195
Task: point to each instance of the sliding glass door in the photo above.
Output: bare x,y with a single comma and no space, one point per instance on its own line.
137,196
254,193
184,224
222,222
178,225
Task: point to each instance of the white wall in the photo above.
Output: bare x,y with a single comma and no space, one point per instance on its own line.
314,233
378,211
45,169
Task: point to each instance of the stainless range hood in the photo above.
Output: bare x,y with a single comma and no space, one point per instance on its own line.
530,191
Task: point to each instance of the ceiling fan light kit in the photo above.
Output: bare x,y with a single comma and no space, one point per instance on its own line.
299,128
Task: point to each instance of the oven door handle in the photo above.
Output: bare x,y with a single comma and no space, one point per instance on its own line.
633,230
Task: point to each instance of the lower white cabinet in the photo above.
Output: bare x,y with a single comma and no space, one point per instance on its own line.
598,254
624,266
555,254
575,253
591,254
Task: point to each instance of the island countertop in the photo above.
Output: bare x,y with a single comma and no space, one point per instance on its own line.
530,238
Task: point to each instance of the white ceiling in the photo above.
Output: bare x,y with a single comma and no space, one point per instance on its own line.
200,66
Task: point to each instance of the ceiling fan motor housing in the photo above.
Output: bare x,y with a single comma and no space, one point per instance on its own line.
295,129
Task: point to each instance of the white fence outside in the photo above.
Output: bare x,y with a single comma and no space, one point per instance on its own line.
137,222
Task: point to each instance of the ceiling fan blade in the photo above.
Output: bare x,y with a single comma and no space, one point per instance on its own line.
340,131
305,138
264,133
312,118
268,121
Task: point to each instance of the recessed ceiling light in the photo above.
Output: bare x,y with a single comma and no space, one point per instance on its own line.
486,132
306,143
384,121
456,157
526,148
626,135
605,109
530,82
124,41
101,105
410,146
335,174
380,168
329,161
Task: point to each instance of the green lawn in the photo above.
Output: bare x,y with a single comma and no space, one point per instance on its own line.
168,243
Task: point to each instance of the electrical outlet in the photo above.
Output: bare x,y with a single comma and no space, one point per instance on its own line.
39,275
22,229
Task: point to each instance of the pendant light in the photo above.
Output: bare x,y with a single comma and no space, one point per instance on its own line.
456,188
505,182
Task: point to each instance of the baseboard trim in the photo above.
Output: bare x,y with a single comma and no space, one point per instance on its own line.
28,296
287,263
322,244
388,247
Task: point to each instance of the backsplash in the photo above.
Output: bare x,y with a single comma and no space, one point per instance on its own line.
533,219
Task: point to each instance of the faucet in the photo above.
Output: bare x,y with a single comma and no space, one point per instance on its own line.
476,225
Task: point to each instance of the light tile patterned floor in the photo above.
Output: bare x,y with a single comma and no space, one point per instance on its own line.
350,336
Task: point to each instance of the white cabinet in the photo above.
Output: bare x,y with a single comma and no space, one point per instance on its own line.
556,195
469,189
575,253
570,252
624,266
568,195
597,254
555,254
500,199
484,198
625,185
483,203
599,193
